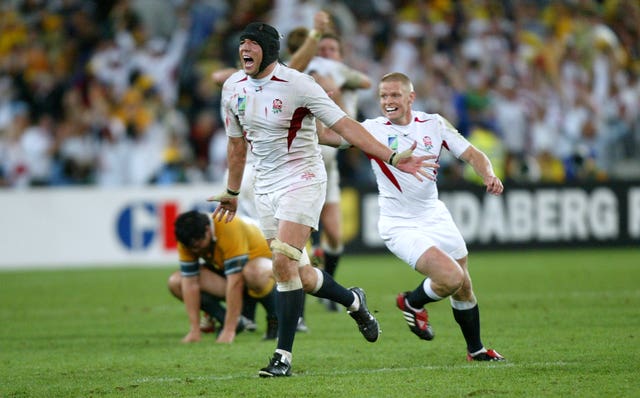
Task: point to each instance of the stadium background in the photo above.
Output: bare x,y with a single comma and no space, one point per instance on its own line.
109,121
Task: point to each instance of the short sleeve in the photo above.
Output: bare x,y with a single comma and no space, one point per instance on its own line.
229,105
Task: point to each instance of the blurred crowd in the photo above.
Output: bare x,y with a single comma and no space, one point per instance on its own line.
119,92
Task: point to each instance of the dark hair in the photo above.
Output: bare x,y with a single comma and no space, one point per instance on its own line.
267,37
296,38
333,36
190,227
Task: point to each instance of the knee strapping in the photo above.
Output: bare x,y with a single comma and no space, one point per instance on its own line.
281,247
304,258
286,286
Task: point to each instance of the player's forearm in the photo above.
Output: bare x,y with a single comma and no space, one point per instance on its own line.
328,137
479,162
301,58
236,157
191,298
358,136
235,287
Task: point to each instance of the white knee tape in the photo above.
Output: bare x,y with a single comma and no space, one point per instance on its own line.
281,247
293,284
304,258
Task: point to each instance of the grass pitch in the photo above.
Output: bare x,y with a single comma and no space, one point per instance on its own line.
567,321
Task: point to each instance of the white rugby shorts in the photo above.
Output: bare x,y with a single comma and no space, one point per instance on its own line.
301,205
409,238
246,201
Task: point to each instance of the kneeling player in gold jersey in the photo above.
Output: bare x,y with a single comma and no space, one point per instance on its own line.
220,260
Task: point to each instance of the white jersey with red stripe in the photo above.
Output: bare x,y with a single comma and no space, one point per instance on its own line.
401,195
276,115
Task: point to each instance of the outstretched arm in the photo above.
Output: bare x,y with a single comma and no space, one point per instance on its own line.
482,166
328,137
302,56
358,136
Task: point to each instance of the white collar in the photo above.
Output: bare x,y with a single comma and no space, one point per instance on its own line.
259,83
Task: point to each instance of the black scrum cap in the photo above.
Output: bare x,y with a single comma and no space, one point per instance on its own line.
267,37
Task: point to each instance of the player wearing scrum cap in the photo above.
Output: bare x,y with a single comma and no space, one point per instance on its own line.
272,109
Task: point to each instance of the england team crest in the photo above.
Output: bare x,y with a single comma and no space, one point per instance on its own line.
426,140
276,106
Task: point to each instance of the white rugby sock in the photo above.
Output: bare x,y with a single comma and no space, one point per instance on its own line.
426,285
285,354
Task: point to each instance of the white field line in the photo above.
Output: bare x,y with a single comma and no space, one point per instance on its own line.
351,372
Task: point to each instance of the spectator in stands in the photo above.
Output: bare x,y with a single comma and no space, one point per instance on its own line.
550,48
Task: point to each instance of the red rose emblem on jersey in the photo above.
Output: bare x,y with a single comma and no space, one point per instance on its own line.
426,140
276,106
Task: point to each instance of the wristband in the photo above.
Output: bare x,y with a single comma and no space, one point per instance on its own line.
233,193
315,34
393,155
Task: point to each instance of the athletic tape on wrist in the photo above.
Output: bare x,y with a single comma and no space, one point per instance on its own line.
315,34
397,157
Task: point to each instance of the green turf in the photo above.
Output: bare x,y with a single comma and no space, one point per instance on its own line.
568,322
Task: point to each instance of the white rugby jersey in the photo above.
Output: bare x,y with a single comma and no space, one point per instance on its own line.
328,68
339,72
401,195
276,115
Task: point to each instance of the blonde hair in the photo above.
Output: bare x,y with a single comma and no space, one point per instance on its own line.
398,77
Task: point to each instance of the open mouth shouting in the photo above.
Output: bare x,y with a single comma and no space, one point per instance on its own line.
250,57
248,62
